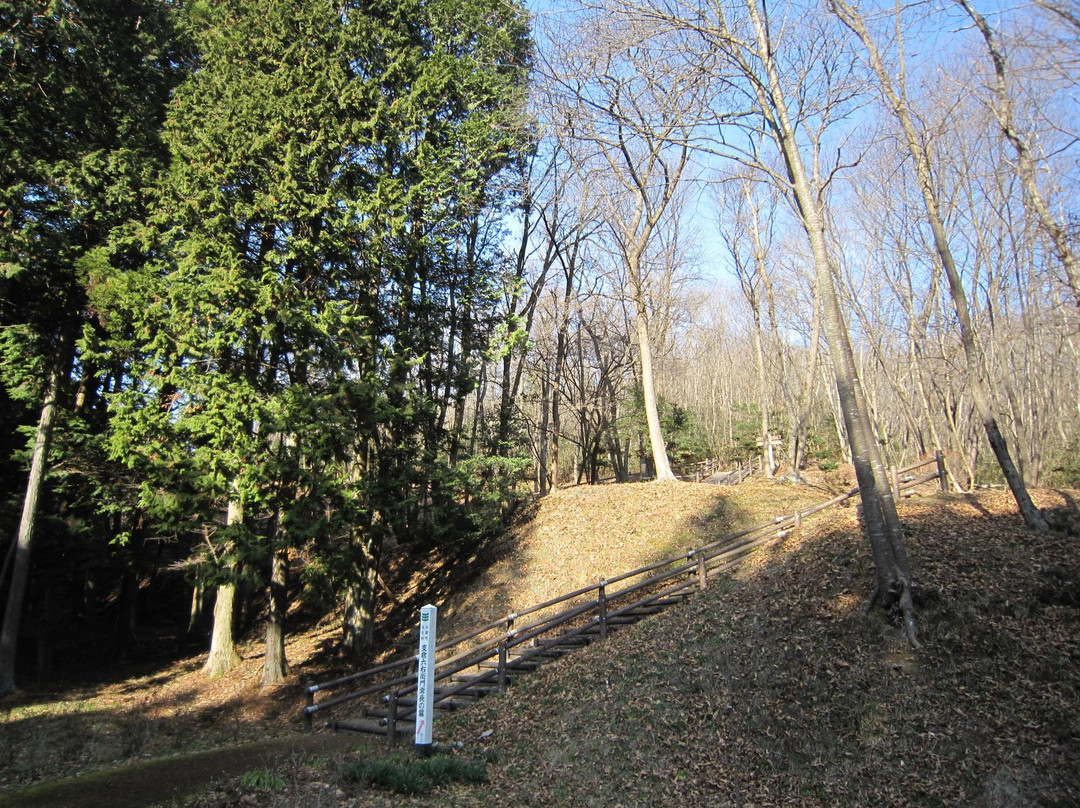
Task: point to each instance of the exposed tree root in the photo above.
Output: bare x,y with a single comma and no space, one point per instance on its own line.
897,600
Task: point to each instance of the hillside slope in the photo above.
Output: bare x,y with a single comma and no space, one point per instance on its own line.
576,536
772,688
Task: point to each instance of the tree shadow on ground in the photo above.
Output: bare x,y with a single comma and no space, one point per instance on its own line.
810,701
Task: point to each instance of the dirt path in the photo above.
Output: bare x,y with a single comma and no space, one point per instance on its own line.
166,779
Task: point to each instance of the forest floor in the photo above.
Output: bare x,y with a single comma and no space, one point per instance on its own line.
770,688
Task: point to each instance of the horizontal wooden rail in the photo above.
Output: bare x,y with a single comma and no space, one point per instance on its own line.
544,633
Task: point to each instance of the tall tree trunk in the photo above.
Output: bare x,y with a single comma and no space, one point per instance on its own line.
20,571
661,466
196,613
795,443
883,528
561,345
805,402
763,394
360,595
223,656
275,665
544,441
128,606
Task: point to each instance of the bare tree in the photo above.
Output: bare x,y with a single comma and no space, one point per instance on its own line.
1002,107
791,105
891,83
637,108
746,231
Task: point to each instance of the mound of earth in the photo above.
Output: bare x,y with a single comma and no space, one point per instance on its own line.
578,536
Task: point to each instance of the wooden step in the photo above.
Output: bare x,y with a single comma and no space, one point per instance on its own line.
671,600
383,713
479,677
573,643
513,665
558,651
368,726
407,707
478,690
627,619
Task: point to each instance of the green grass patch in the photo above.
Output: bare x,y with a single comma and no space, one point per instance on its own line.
263,779
412,776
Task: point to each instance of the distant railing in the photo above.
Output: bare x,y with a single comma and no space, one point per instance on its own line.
709,467
512,642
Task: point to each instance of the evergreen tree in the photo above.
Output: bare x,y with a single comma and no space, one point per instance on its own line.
83,92
324,159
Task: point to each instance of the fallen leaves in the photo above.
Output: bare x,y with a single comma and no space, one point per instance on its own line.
771,688
807,701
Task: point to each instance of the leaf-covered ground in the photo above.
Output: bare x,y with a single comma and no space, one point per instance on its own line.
579,535
774,689
771,688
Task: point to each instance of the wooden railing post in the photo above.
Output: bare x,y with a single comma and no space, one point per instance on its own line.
894,480
942,472
702,574
310,702
391,719
798,518
502,666
601,602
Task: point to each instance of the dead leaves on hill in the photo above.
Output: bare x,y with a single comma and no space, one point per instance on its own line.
774,689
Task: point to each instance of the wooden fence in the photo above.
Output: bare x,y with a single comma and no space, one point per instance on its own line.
703,470
518,641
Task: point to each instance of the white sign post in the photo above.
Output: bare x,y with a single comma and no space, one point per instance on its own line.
425,678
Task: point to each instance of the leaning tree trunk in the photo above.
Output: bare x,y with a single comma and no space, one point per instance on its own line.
893,589
1025,162
223,656
20,571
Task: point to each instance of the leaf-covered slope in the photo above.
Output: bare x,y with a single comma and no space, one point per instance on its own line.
577,536
773,689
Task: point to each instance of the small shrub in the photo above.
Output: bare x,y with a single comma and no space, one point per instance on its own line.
414,776
262,779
